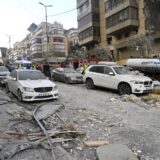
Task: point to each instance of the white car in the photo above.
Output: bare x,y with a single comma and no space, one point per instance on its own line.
31,85
3,73
118,78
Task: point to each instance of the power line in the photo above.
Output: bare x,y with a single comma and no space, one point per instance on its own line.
63,12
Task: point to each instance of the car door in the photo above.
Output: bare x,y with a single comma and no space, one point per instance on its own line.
97,73
109,78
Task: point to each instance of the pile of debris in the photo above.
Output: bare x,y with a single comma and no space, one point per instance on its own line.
58,137
146,101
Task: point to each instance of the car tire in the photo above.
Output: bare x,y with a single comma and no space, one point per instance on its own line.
66,80
7,88
53,78
124,88
19,96
89,84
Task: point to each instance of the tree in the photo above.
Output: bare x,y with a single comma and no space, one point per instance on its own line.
143,43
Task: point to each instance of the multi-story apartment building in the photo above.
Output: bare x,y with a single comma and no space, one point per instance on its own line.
88,22
72,38
125,26
51,47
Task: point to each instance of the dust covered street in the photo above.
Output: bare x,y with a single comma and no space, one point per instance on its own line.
97,115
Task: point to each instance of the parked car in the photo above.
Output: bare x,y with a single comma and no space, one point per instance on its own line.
31,85
118,78
67,75
3,73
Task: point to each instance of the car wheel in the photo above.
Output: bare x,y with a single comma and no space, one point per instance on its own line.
67,80
124,88
53,78
7,88
19,96
89,84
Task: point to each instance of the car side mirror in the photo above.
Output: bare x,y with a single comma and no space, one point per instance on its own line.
111,74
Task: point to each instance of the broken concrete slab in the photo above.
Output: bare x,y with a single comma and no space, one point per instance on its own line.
62,154
47,110
115,152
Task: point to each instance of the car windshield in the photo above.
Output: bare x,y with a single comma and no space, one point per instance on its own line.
69,70
3,69
122,70
31,75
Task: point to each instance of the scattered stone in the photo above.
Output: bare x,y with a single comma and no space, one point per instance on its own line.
62,154
115,152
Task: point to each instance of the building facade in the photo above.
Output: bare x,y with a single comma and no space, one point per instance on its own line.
129,28
88,22
51,47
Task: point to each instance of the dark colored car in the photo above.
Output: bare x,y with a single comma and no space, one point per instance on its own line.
67,75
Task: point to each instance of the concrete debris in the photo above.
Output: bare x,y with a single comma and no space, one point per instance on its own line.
62,154
47,110
115,152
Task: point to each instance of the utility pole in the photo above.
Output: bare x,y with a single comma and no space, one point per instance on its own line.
46,26
9,41
9,49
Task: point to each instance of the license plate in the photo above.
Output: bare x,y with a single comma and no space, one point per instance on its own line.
44,94
148,88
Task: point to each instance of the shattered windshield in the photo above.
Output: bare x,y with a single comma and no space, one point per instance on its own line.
31,75
122,70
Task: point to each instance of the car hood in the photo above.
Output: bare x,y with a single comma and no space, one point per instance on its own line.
135,77
37,83
73,75
4,73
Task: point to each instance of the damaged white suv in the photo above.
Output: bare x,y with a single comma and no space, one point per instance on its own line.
118,78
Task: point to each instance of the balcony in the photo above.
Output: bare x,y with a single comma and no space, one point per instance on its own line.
123,26
89,39
80,2
121,6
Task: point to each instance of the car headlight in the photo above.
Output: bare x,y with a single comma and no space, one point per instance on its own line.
55,88
27,89
136,82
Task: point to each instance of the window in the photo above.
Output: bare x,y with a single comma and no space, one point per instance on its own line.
97,69
127,13
107,70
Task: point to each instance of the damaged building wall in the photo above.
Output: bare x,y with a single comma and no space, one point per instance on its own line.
152,14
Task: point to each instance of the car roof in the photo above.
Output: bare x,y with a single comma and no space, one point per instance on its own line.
28,70
111,65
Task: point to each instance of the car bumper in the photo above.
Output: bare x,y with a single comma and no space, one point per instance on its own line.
139,89
38,96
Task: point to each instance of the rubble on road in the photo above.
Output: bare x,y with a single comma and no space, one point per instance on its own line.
146,101
54,131
115,152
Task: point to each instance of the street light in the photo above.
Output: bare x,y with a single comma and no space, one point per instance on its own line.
46,20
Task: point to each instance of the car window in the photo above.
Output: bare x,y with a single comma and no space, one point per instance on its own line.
13,74
97,69
122,70
30,75
107,70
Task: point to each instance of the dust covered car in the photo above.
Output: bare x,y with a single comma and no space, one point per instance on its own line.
67,75
3,73
31,85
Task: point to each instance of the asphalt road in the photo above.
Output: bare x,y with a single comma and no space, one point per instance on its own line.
112,118
139,128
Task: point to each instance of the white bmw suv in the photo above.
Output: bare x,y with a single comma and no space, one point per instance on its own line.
118,78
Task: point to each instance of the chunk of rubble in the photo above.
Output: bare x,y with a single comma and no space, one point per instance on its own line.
115,152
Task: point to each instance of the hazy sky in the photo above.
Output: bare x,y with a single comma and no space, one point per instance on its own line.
17,15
